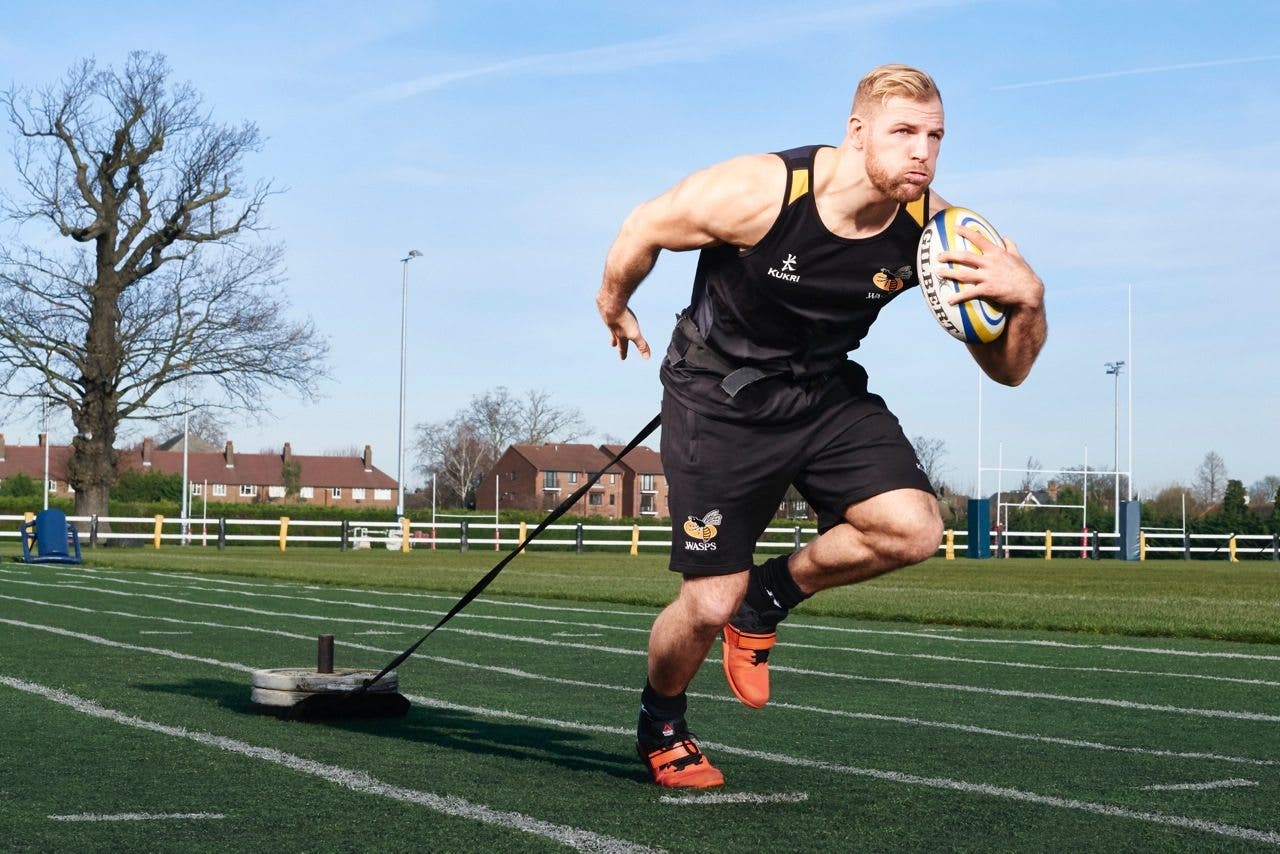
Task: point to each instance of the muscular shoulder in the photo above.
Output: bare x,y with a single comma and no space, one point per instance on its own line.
735,202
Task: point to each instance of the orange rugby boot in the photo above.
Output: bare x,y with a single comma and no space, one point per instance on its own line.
746,664
676,761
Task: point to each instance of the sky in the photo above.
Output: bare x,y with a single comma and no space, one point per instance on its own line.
1130,148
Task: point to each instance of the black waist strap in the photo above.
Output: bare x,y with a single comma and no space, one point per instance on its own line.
689,347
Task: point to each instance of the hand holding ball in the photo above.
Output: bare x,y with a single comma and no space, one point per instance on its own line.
974,321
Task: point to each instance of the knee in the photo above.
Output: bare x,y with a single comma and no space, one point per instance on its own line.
915,541
711,601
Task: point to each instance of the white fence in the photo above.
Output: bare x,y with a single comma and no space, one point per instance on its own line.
483,533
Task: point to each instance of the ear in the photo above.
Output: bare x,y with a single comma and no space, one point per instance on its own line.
856,131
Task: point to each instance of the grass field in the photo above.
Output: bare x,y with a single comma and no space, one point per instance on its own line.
1011,705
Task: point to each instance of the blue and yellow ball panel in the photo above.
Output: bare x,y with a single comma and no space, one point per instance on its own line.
981,321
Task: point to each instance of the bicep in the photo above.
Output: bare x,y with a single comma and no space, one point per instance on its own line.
732,202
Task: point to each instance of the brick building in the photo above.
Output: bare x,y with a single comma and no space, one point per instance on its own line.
226,475
644,486
539,477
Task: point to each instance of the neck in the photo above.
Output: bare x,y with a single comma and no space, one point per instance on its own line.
847,201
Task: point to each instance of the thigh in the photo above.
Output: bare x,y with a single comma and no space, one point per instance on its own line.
725,483
859,452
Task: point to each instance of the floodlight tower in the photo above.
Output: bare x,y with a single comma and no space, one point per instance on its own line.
404,330
1115,369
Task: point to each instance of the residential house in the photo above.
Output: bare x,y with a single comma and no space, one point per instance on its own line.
644,486
539,477
227,476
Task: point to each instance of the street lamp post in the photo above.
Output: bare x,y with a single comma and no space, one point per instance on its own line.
1115,369
404,330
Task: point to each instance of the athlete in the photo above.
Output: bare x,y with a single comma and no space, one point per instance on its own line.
799,253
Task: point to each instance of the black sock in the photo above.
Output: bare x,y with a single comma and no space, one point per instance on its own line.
772,592
657,710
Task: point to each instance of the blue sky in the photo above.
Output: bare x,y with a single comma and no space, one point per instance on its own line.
1123,145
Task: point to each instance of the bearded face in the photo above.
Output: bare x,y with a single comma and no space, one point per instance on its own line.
900,147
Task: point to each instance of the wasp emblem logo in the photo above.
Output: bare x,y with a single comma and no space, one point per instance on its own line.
891,281
703,530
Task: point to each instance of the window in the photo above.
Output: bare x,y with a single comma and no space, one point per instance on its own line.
613,478
335,492
597,499
573,477
197,489
219,489
382,495
613,499
549,480
248,490
646,483
307,492
646,505
275,492
357,493
53,486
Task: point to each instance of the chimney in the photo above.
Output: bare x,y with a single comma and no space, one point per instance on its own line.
230,455
1,447
288,453
1053,490
44,439
148,445
368,458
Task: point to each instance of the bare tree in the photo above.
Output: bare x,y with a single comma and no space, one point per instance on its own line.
458,456
929,452
540,420
200,423
459,451
1211,478
164,277
1031,480
1264,491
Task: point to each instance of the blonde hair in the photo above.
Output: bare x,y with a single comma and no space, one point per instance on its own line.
888,81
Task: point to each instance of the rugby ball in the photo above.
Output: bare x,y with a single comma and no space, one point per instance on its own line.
975,321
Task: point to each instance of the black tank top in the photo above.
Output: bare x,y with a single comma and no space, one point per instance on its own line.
794,304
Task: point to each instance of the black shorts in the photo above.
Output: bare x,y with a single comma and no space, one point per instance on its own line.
727,479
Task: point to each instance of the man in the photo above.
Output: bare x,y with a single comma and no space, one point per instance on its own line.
799,252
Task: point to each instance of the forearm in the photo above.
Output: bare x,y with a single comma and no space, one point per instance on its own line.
629,261
1009,358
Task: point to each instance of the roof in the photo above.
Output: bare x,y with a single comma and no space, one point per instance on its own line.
565,457
641,460
255,469
29,459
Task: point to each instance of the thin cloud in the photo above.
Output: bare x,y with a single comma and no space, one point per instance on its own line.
687,47
1133,72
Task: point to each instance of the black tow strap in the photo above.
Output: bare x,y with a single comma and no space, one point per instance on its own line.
493,573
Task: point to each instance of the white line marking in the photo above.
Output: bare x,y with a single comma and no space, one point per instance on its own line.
733,798
356,781
163,633
523,674
930,633
139,816
1033,695
577,635
1233,783
1152,650
379,633
1030,665
1005,792
938,686
585,840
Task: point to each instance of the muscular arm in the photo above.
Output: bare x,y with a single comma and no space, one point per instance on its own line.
1002,276
733,202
